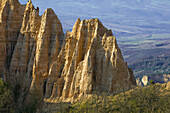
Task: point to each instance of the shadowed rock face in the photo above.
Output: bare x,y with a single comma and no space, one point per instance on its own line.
11,17
36,55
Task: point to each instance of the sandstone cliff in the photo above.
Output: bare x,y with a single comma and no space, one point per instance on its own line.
11,17
90,60
36,55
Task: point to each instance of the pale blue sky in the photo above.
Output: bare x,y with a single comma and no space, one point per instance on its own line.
122,16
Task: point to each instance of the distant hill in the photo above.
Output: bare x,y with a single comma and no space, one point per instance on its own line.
152,65
124,17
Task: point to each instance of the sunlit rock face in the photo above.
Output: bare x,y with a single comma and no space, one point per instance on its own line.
36,55
89,59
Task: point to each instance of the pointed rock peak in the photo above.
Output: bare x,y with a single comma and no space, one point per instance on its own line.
29,4
76,25
94,20
78,21
49,12
101,29
12,2
95,24
67,33
85,21
110,31
97,20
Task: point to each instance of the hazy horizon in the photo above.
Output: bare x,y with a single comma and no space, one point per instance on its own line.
125,18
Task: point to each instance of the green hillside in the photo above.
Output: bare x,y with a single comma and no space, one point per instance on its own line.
150,99
152,65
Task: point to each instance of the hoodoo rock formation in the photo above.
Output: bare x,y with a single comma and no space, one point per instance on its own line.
36,55
89,59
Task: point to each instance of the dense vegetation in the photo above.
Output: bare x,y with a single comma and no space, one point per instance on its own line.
141,100
9,100
6,98
152,65
154,98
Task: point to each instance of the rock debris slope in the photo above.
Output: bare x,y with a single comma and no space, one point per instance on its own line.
38,57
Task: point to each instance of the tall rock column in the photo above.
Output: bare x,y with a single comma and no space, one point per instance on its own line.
91,61
11,15
48,42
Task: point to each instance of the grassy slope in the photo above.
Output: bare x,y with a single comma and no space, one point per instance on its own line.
153,98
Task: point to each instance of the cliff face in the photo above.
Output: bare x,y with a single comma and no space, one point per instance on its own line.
11,17
36,55
90,59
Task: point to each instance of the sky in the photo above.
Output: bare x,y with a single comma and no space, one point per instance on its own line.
124,17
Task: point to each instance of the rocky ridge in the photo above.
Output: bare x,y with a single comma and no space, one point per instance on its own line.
36,56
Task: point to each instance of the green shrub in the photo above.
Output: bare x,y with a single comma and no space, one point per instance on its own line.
32,108
144,100
6,98
148,99
151,82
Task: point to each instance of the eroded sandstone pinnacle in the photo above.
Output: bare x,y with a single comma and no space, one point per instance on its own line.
36,55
